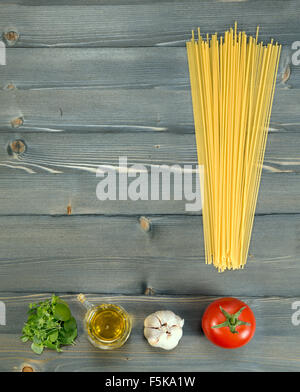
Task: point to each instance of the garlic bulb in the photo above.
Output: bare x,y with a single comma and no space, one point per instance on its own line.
163,329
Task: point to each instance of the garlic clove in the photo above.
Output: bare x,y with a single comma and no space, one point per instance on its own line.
152,335
152,321
176,333
166,316
170,341
179,322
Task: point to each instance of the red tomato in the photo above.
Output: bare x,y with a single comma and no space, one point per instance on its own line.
228,323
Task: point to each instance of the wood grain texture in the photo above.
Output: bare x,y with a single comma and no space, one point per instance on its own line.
103,68
113,254
273,347
60,168
47,194
158,109
144,23
86,151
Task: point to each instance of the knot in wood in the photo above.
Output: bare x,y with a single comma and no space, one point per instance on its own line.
17,147
145,223
11,37
10,86
149,291
17,122
27,369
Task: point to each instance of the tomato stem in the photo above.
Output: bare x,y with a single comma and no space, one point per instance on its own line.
232,320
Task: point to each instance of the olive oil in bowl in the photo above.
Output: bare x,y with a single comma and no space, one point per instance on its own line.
108,326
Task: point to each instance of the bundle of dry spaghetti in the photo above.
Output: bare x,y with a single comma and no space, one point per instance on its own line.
232,83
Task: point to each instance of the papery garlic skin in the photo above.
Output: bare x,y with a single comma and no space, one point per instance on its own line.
163,329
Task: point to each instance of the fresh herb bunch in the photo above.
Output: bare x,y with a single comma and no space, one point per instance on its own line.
50,324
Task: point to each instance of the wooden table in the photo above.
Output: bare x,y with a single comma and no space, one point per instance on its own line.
86,84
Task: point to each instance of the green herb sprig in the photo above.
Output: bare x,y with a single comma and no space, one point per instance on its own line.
50,324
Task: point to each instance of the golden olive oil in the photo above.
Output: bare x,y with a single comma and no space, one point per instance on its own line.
107,324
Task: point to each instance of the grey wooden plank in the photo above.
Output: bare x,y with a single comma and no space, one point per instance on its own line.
110,68
102,2
273,347
59,152
58,169
158,109
23,193
95,68
113,254
145,23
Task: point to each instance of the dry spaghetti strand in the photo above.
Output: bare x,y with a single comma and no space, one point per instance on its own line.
232,83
